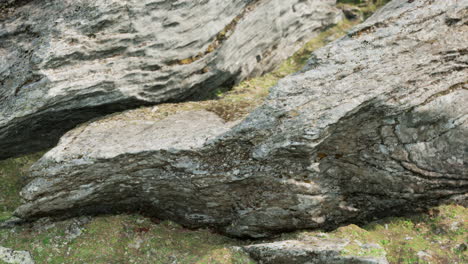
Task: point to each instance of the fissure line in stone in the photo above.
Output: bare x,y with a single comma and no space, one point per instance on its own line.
220,38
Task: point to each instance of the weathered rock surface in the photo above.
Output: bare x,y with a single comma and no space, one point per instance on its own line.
313,251
65,62
375,125
15,257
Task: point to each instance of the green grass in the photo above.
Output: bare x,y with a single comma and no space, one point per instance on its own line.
11,173
438,233
135,239
124,239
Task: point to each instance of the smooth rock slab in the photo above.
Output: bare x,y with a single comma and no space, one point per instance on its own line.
65,62
311,251
15,257
375,125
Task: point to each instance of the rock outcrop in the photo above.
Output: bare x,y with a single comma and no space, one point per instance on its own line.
66,62
375,125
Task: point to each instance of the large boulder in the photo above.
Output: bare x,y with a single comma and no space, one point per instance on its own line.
375,125
65,62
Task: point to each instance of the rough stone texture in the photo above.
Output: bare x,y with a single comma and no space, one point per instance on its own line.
15,257
65,62
311,251
375,125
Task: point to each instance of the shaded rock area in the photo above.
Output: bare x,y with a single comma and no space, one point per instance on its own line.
315,250
374,125
352,13
66,62
15,257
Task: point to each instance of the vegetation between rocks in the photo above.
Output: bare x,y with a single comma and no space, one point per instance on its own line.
12,172
244,97
439,237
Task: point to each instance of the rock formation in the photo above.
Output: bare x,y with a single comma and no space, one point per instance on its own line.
374,125
65,62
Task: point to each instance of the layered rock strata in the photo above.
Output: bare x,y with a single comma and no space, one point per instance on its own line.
65,62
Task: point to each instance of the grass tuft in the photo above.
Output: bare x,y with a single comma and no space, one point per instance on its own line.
12,172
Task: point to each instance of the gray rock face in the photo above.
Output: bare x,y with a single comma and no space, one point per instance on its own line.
312,251
375,125
65,62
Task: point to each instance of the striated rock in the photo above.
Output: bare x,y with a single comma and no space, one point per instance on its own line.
65,62
313,251
15,257
10,223
375,125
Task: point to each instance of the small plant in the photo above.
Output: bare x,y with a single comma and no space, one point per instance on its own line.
384,242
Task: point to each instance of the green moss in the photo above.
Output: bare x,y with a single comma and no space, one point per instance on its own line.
354,249
5,216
